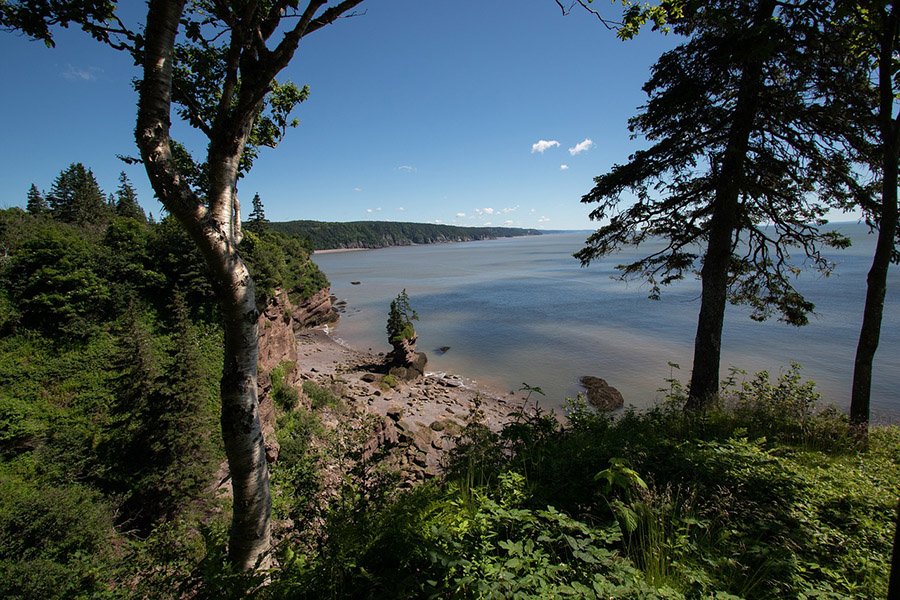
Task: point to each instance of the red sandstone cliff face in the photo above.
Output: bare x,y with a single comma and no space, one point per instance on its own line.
277,345
315,310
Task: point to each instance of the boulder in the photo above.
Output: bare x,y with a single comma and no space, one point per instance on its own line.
601,395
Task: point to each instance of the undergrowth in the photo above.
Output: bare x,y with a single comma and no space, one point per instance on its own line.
765,495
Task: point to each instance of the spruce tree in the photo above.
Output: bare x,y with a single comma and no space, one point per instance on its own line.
257,219
126,204
129,450
867,87
36,205
185,423
75,197
739,173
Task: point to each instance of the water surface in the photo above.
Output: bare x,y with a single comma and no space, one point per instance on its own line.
522,310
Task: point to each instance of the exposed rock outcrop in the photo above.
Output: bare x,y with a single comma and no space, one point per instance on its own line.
601,395
315,310
404,362
412,425
277,346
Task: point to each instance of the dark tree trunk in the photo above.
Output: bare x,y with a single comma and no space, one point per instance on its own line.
724,224
887,229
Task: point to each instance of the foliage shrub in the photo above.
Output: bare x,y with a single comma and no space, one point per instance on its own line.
320,397
295,476
284,396
54,540
280,261
793,512
54,282
388,382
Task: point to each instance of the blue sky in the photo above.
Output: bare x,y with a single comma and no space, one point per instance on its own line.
459,112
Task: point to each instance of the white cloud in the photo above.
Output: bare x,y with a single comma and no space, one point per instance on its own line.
357,189
401,209
460,215
542,145
580,147
488,211
488,224
563,167
510,209
373,210
507,223
78,74
406,169
438,221
543,220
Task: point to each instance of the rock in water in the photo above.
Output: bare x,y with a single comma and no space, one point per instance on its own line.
601,395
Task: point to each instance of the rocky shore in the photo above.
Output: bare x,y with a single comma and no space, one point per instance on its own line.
416,421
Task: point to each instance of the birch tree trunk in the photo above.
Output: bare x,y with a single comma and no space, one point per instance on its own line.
214,229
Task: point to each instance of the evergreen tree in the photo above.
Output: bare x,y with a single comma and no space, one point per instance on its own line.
76,197
186,453
36,205
400,318
257,219
126,200
867,86
737,171
128,448
155,453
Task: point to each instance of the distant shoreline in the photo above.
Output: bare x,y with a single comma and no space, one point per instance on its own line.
337,250
493,239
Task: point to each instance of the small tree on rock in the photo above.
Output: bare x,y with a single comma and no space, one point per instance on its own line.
405,362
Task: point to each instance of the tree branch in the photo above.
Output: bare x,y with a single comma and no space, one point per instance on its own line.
566,11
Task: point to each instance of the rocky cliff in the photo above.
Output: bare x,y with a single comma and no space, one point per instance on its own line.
278,346
315,310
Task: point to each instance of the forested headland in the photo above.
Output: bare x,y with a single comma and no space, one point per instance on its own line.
383,234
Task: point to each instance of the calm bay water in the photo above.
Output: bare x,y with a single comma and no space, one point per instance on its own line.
523,310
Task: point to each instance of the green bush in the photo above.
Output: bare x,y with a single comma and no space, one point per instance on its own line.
54,540
284,396
295,475
55,283
320,397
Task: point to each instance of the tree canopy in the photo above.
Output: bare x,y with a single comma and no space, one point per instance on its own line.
739,173
215,65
